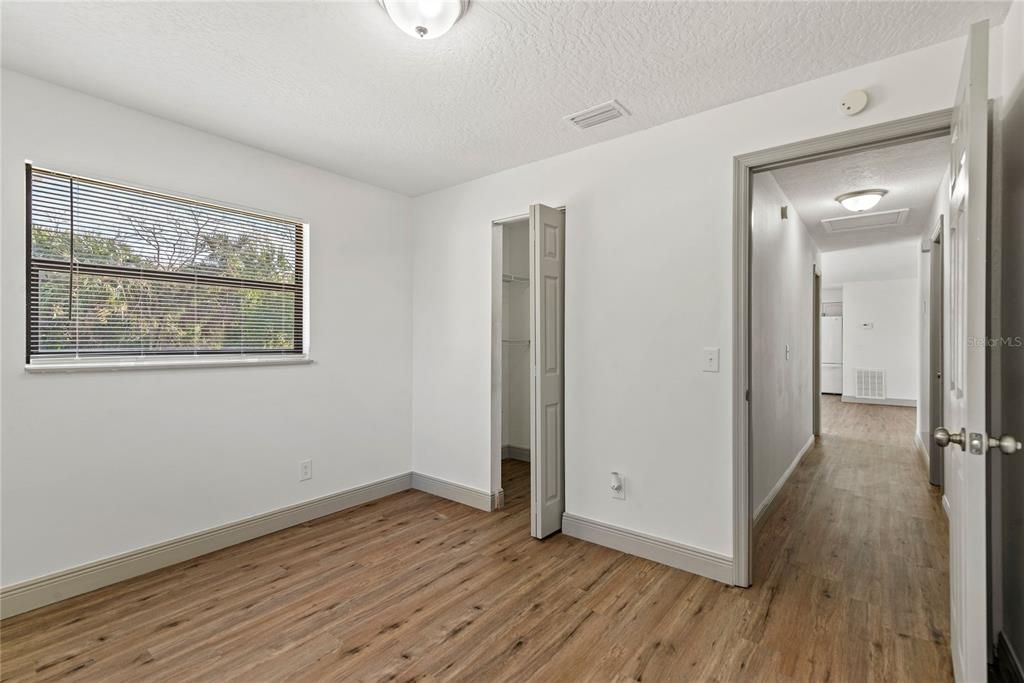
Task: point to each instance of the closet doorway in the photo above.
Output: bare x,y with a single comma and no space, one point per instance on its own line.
527,364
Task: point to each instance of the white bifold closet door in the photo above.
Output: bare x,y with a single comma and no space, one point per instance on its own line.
547,318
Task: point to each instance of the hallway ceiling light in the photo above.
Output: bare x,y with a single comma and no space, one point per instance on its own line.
425,19
861,200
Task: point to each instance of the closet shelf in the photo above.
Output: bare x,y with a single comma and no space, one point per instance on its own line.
515,279
517,341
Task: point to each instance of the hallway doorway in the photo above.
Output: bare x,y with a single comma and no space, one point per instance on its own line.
839,492
866,341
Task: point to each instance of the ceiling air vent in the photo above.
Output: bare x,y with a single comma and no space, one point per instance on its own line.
595,116
866,221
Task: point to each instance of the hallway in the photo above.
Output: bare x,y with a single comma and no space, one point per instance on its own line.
857,542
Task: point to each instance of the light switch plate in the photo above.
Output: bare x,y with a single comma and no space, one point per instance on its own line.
711,355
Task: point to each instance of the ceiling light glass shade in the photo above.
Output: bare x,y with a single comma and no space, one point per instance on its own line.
861,200
426,19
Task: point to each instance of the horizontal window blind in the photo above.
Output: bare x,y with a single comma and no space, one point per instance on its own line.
120,271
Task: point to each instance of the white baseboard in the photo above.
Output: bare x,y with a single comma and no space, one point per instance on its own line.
482,500
515,453
33,593
44,590
41,591
922,448
906,402
678,555
763,507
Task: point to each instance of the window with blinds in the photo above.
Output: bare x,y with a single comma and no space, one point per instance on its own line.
115,271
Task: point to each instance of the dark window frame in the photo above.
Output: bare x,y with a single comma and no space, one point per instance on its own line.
35,266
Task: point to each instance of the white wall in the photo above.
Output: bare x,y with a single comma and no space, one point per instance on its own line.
890,261
515,357
831,295
649,277
782,309
885,271
95,464
890,306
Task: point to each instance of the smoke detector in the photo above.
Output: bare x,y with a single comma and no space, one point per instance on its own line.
598,114
853,102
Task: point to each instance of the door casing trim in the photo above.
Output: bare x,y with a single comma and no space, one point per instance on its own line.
899,131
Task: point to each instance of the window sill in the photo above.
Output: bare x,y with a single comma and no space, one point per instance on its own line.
160,363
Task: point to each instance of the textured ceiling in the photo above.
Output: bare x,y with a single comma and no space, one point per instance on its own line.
336,85
911,173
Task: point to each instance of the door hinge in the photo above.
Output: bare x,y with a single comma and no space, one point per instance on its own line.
746,396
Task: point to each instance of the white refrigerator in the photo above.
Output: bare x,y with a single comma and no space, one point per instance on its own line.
832,354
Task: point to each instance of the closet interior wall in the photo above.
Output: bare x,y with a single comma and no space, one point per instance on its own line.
515,380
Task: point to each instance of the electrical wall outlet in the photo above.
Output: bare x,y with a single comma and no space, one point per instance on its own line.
305,470
618,486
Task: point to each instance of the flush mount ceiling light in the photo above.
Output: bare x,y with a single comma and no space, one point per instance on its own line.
862,200
425,19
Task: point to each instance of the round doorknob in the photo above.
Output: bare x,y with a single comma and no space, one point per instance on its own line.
943,437
1006,443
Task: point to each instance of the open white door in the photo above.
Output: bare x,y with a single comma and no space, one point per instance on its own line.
547,308
964,337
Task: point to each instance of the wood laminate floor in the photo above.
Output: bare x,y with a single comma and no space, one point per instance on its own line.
850,568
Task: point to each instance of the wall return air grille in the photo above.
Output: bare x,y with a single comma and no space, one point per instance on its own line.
870,383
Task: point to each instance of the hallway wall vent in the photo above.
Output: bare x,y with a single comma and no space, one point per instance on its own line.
598,114
867,221
870,383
